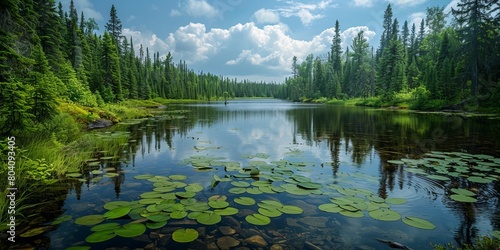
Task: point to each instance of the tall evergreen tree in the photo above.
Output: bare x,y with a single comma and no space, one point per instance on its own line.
114,27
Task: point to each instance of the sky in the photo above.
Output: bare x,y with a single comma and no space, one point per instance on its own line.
244,39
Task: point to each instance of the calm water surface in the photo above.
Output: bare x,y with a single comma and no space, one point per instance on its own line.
344,146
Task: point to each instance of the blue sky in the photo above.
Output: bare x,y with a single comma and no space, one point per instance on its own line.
253,40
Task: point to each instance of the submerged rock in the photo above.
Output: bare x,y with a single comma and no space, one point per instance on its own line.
227,242
227,230
100,123
256,240
314,221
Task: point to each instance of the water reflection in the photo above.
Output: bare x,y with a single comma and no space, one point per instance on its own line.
338,140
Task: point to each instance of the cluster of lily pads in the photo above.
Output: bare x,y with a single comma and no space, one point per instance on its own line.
443,166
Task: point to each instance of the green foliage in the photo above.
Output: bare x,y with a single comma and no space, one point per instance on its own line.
481,243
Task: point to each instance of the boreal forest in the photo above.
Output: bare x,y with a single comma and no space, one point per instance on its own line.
49,56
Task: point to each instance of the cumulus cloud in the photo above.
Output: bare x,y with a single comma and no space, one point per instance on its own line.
243,49
266,16
406,2
87,7
305,12
196,8
363,3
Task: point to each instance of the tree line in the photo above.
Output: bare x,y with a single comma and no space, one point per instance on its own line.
48,55
435,64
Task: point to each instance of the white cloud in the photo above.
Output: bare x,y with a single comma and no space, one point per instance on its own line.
416,18
266,16
175,12
247,49
200,8
363,3
453,4
304,11
131,18
406,2
87,7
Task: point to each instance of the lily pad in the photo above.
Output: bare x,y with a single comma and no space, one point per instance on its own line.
398,162
242,184
89,220
309,185
462,191
270,212
330,208
117,213
478,179
194,188
105,227
179,214
130,230
357,214
185,195
289,209
100,236
384,215
462,198
209,218
418,223
226,211
246,201
218,204
395,201
156,225
185,235
258,219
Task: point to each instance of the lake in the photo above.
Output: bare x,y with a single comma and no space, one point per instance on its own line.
281,175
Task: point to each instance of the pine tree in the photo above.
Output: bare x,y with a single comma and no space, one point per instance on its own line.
111,89
387,33
114,27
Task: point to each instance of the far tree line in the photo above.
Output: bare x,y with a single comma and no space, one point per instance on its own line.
436,61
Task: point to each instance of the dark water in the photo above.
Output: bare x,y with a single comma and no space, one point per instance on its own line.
346,146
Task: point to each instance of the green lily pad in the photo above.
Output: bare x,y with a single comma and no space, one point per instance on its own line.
330,208
116,204
130,230
357,214
309,185
269,212
254,190
159,217
105,227
462,191
189,201
61,219
438,177
375,198
100,236
156,225
194,188
143,176
258,219
462,198
179,214
384,215
246,201
177,177
218,204
395,201
398,162
478,179
89,220
209,218
289,209
226,211
117,213
418,223
237,190
242,184
185,195
185,235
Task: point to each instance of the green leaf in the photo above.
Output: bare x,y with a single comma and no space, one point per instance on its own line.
218,204
177,177
117,213
289,209
89,220
185,235
246,201
130,230
270,212
242,184
398,162
209,218
418,223
357,214
156,225
384,215
309,185
462,191
395,201
462,198
226,211
105,227
330,208
100,236
35,231
258,219
159,217
178,214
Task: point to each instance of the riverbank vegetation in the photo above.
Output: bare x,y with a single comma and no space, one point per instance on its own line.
450,61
